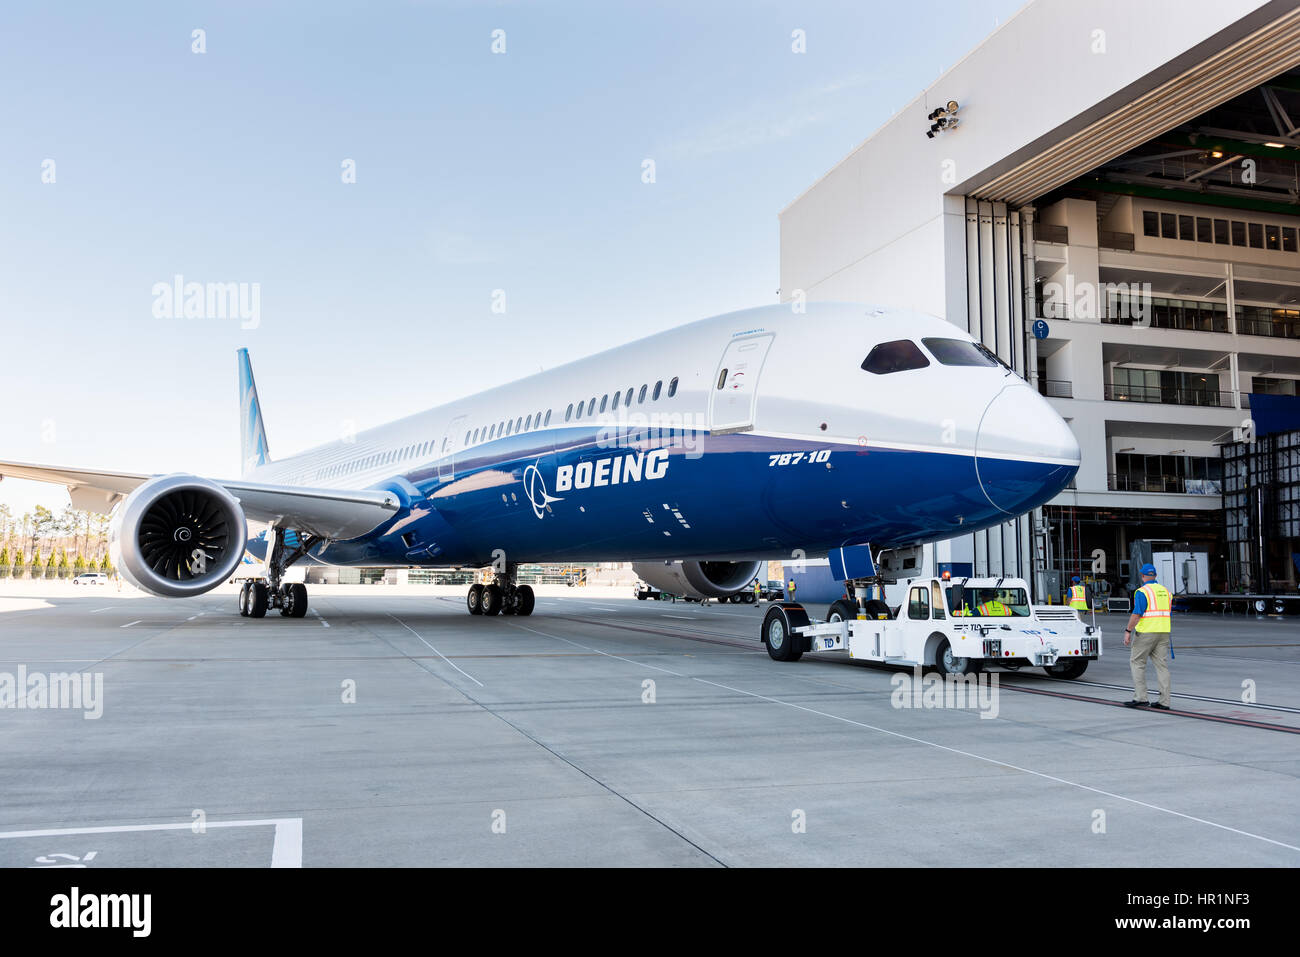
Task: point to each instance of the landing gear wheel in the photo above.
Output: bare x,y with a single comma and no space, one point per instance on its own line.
293,600
244,589
258,597
474,600
526,600
1068,669
843,610
946,663
778,632
491,603
877,610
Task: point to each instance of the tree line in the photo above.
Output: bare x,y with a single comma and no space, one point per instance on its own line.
43,544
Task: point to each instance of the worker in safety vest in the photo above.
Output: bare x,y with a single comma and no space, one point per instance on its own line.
994,609
1148,633
1078,596
758,591
790,596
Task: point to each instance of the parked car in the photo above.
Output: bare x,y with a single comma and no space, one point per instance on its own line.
91,578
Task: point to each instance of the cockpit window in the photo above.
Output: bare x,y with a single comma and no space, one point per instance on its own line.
897,356
959,352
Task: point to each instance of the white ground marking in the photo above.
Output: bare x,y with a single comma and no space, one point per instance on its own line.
130,623
1001,764
286,852
191,618
96,611
575,644
436,651
323,622
681,617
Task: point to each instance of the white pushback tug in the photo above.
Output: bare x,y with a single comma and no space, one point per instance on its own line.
956,626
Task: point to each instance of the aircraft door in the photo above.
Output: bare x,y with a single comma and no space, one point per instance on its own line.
734,391
451,445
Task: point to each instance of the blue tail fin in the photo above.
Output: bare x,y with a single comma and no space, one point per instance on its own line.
252,433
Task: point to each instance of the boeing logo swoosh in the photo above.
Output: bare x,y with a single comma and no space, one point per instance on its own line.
535,489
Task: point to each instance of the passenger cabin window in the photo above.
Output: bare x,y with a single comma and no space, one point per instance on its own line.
604,401
897,356
658,388
672,387
918,604
548,417
528,422
641,396
617,396
568,413
627,399
958,352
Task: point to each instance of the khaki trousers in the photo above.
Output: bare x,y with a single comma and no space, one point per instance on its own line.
1153,645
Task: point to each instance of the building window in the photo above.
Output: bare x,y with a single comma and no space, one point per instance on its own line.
1203,232
1185,230
1256,235
1150,223
1272,237
1168,226
1288,239
1221,232
1238,233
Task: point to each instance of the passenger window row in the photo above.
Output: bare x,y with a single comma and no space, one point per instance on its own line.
589,407
1221,232
523,423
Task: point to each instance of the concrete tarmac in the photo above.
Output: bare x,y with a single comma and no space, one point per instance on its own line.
391,728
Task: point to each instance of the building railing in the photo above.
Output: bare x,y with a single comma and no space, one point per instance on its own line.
1167,396
1124,482
1187,314
1108,239
1056,388
1047,233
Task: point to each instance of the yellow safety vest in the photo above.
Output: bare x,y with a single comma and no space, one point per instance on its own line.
1156,617
1078,598
993,609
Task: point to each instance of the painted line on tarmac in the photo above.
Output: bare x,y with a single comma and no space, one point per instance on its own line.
1001,764
436,651
598,651
130,623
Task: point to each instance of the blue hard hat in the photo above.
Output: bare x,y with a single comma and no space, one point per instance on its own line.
1149,570
1075,579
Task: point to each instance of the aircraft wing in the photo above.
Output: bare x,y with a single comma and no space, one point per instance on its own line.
336,514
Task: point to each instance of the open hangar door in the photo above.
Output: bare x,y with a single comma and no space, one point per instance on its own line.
999,206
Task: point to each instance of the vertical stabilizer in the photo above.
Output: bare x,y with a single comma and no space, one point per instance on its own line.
252,433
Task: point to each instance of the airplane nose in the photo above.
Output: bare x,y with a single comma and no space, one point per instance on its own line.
1024,452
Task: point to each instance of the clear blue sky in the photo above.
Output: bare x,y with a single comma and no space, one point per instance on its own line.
475,172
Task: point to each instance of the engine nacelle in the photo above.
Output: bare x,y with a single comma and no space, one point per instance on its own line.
178,536
698,579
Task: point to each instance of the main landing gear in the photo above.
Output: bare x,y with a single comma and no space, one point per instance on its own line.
502,596
257,597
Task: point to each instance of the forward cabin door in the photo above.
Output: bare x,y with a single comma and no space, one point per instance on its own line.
452,444
734,390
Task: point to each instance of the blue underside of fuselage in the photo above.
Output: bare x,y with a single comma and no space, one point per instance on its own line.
720,496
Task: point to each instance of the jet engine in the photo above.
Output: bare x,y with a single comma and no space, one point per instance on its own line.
177,536
698,579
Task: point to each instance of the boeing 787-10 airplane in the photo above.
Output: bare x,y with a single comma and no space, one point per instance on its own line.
695,453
